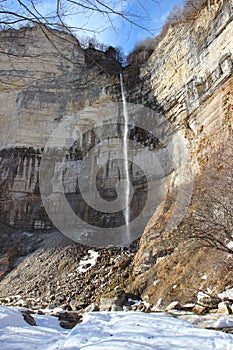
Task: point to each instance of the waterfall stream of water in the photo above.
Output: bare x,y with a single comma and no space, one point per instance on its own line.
125,155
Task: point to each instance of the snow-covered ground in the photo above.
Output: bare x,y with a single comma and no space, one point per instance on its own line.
108,330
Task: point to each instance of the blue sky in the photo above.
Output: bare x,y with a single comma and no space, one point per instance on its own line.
152,15
122,34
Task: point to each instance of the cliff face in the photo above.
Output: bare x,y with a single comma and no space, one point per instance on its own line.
46,76
190,74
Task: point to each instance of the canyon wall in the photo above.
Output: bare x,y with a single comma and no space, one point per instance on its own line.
190,73
45,77
48,79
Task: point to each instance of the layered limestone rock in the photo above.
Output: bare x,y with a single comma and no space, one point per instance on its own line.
52,89
190,73
191,76
45,76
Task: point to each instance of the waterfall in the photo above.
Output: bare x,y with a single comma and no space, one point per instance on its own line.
125,155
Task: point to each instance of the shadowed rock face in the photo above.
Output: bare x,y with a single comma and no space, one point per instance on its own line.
45,79
45,76
20,201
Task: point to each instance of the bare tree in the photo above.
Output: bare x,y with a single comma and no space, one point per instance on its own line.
60,14
142,51
211,218
22,12
187,12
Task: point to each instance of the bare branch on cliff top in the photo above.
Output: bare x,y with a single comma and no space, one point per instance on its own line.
59,13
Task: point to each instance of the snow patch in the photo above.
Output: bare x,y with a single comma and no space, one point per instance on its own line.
108,330
132,331
204,277
88,263
222,322
27,234
230,245
134,301
201,296
227,294
16,334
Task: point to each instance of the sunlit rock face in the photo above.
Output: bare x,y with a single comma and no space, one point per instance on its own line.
190,74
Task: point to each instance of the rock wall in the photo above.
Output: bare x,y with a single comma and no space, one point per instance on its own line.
190,74
45,77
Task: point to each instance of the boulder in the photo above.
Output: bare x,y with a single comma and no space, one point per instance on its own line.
67,324
29,319
158,306
188,306
207,300
116,308
175,305
92,307
199,309
142,306
77,305
224,308
69,316
113,298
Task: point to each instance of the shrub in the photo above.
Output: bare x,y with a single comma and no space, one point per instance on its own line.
211,215
186,13
142,51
